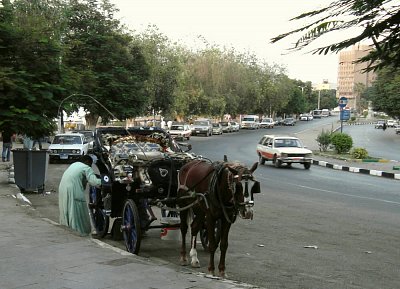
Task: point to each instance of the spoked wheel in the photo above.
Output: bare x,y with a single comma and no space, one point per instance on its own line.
131,227
204,234
277,162
99,218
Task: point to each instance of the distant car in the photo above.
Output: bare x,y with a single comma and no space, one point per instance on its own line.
306,117
217,128
226,126
68,146
397,129
180,131
267,123
289,121
379,123
89,134
283,150
391,123
278,121
235,126
202,127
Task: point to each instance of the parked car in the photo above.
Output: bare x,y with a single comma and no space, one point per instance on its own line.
278,120
267,123
283,149
226,126
89,134
202,127
391,123
397,129
180,131
379,123
289,121
68,146
217,128
306,117
235,126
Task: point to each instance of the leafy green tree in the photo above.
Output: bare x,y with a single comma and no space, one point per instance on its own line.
385,92
101,61
379,20
29,66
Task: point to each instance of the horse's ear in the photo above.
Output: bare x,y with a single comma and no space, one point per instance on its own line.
225,158
254,167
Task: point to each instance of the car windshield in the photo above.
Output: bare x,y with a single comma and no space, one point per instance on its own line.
200,123
67,139
177,127
215,125
287,143
224,123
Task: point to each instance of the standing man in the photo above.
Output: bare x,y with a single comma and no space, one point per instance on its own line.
74,211
7,145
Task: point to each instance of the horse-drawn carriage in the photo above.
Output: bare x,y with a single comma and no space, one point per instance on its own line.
142,168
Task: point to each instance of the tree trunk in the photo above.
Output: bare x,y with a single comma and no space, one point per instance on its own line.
91,121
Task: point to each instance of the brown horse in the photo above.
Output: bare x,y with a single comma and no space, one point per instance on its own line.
209,192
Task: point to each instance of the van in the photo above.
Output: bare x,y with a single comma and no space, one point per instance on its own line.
250,121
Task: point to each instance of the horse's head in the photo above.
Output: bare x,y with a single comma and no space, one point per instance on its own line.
243,199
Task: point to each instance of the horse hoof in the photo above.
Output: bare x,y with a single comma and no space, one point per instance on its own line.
223,275
183,262
196,264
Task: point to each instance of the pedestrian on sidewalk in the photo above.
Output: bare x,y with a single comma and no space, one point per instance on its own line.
74,211
7,136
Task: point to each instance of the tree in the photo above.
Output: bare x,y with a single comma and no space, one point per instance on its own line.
29,66
379,19
385,92
101,61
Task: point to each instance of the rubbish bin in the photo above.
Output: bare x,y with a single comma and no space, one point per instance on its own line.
30,169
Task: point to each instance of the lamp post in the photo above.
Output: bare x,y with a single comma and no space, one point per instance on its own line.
60,111
319,99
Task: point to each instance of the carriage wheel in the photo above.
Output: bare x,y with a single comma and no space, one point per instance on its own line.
99,218
131,227
204,234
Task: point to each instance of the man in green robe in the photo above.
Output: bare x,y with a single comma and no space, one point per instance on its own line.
74,211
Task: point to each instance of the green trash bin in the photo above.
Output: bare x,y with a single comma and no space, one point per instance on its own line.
30,169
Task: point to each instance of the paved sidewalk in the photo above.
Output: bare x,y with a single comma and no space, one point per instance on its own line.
36,253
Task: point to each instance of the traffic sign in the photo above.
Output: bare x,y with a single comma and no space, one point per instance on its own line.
343,102
344,114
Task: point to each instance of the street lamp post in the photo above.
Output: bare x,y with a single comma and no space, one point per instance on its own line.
319,99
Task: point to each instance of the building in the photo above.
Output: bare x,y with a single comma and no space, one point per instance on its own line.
350,75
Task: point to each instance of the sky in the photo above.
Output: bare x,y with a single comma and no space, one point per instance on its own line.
245,25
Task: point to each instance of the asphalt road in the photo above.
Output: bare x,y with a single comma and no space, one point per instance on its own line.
316,228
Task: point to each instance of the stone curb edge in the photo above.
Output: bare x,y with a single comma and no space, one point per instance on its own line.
357,170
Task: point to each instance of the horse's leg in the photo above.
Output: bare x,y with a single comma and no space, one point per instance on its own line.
195,228
184,227
212,245
225,227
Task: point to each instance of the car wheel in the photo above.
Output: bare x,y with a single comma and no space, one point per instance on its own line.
307,166
277,162
261,160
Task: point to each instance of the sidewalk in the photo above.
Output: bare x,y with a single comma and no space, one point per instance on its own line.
36,253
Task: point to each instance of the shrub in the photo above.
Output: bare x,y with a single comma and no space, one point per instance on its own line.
324,140
342,142
359,153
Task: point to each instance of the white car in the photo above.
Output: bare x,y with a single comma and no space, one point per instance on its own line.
235,126
397,129
68,146
306,117
391,123
283,149
267,123
180,131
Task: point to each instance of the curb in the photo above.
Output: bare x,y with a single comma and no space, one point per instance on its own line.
357,170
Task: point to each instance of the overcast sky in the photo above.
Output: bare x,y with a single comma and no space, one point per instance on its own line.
246,25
